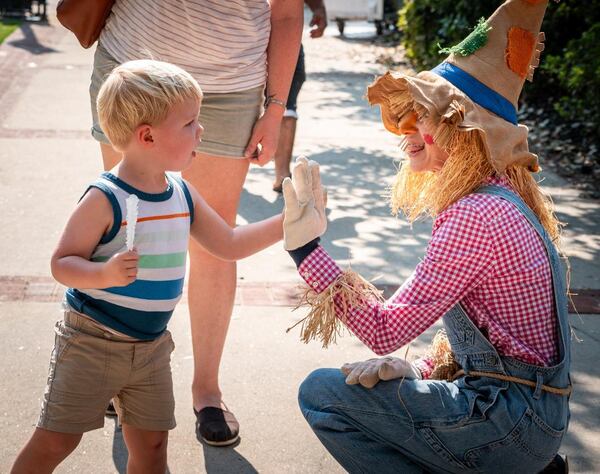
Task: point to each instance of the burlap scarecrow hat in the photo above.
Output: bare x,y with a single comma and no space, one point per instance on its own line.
478,85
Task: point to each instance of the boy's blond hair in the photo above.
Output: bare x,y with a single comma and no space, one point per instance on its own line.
141,92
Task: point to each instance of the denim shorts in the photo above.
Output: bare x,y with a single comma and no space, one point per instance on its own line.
227,118
91,364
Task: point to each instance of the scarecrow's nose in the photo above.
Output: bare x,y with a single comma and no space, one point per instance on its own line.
408,123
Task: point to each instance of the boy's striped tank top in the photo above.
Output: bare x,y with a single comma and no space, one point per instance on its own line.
142,308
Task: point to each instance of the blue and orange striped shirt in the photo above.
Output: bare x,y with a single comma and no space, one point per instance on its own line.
142,308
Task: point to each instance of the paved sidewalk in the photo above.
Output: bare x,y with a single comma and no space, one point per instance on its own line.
46,159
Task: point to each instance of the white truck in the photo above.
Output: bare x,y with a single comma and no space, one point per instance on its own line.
383,13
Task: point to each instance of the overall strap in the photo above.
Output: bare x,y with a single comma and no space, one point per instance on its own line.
558,277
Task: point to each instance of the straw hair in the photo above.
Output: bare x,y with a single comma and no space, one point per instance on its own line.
442,357
349,290
466,169
429,193
141,92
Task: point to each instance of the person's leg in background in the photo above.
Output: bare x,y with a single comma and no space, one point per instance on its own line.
285,148
219,177
287,134
212,285
110,156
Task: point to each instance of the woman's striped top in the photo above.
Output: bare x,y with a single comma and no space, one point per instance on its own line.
143,308
222,44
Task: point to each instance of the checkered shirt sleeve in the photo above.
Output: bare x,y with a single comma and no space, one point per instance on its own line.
425,366
464,262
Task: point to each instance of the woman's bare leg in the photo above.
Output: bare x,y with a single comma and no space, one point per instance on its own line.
110,156
212,282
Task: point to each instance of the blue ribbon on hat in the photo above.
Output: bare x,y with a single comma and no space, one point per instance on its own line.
477,91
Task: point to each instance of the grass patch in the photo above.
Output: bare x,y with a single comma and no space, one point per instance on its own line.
7,26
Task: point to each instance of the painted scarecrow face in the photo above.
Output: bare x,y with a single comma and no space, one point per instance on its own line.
421,150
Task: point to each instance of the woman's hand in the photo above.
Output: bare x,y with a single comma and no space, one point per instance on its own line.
305,201
263,143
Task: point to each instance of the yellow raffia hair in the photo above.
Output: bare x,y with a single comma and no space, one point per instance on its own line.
465,170
349,290
440,353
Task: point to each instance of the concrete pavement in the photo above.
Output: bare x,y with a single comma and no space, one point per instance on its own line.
46,159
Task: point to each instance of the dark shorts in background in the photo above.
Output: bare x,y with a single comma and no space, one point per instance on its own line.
297,81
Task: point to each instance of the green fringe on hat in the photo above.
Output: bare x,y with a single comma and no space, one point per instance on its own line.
476,39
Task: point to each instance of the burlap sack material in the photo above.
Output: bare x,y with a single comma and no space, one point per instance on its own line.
506,59
489,64
505,143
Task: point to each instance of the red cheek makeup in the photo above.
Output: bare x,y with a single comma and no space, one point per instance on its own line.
428,139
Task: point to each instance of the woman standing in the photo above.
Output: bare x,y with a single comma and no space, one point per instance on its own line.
238,52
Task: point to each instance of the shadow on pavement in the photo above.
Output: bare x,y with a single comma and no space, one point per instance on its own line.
358,213
119,450
30,41
120,454
225,461
585,374
350,94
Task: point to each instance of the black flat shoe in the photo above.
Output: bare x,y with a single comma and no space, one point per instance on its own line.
559,465
110,410
216,427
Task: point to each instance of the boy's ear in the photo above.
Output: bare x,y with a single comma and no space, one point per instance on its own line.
143,135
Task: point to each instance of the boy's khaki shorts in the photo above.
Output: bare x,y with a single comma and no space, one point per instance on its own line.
90,365
227,118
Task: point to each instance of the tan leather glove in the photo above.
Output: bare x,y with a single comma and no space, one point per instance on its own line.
305,200
369,372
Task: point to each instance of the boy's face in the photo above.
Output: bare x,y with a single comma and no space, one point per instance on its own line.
423,153
178,135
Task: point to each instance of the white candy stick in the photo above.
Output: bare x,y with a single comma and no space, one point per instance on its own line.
132,214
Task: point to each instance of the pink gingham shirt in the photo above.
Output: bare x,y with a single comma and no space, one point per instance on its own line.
484,254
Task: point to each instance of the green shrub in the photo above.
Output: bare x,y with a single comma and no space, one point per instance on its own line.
428,25
576,75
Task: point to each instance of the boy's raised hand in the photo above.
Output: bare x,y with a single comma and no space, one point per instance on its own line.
121,269
305,200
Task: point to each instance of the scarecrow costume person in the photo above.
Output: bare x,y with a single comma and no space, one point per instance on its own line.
492,395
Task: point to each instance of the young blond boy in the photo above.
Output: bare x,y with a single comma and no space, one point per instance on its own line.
113,341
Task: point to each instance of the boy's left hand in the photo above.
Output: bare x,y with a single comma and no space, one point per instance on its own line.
121,269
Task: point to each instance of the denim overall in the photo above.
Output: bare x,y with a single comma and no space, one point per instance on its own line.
474,424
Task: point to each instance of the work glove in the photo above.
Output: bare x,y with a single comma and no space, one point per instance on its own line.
305,200
369,372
